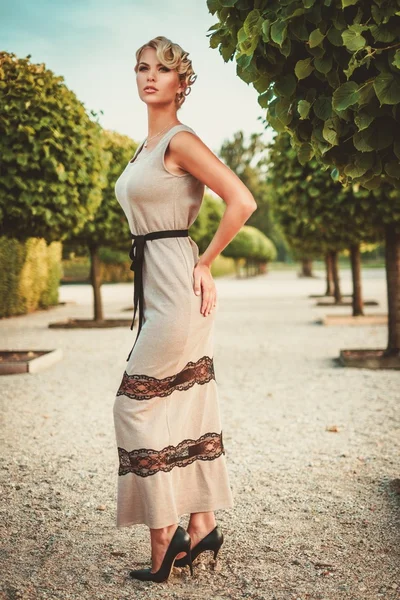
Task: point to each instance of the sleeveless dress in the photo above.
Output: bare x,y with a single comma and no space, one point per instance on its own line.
172,459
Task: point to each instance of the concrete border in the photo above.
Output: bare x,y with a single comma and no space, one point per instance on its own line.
36,364
373,319
363,358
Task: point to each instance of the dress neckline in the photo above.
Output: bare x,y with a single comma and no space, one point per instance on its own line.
134,159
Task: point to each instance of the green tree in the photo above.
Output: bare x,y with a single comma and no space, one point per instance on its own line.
328,73
107,226
253,246
53,164
319,215
240,158
206,224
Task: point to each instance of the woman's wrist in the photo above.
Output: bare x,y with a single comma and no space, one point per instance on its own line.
203,262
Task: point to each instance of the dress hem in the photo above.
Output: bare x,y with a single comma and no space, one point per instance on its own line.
221,506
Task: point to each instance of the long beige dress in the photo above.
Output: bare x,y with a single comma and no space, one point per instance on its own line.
172,459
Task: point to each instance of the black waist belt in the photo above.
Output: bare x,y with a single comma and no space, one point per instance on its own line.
137,255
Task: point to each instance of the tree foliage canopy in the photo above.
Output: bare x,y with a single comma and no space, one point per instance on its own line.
107,226
248,161
53,164
328,72
251,243
316,213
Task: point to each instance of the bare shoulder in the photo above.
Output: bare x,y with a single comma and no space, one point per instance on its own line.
194,156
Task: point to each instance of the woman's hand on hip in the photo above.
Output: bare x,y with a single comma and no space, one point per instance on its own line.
204,282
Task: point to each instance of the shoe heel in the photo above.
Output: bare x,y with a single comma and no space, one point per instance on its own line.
216,551
189,560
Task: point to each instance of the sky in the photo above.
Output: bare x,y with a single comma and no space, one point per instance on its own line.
92,44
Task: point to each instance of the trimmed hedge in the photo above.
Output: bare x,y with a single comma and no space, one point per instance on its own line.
30,275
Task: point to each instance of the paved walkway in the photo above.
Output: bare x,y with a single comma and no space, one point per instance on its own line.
317,511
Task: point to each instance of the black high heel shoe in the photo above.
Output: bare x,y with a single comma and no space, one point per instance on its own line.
212,541
180,542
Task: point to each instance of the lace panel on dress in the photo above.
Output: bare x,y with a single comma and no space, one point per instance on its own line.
145,462
143,387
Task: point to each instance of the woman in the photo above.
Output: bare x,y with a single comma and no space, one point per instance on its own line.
166,411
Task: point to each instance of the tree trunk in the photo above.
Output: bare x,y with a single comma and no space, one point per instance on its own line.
306,267
329,274
335,273
95,280
237,267
392,256
355,256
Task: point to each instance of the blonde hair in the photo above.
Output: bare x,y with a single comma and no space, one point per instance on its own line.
174,57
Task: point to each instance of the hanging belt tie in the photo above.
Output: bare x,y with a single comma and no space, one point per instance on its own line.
136,254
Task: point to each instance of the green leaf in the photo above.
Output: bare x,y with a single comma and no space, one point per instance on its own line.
329,132
365,160
323,108
311,95
387,88
396,59
265,28
262,83
285,85
297,13
363,119
264,99
298,30
376,14
378,136
361,141
335,174
305,153
346,3
247,45
314,15
303,68
304,108
367,93
241,35
275,122
323,64
381,33
352,38
317,51
333,78
283,110
243,64
361,165
396,149
215,26
346,95
253,23
334,36
392,168
286,47
315,38
373,183
278,31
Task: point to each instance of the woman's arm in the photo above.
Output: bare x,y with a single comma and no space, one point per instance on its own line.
192,155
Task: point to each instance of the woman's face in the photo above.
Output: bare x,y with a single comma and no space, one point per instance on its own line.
150,73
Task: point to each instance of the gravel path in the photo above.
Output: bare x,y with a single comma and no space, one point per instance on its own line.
317,511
